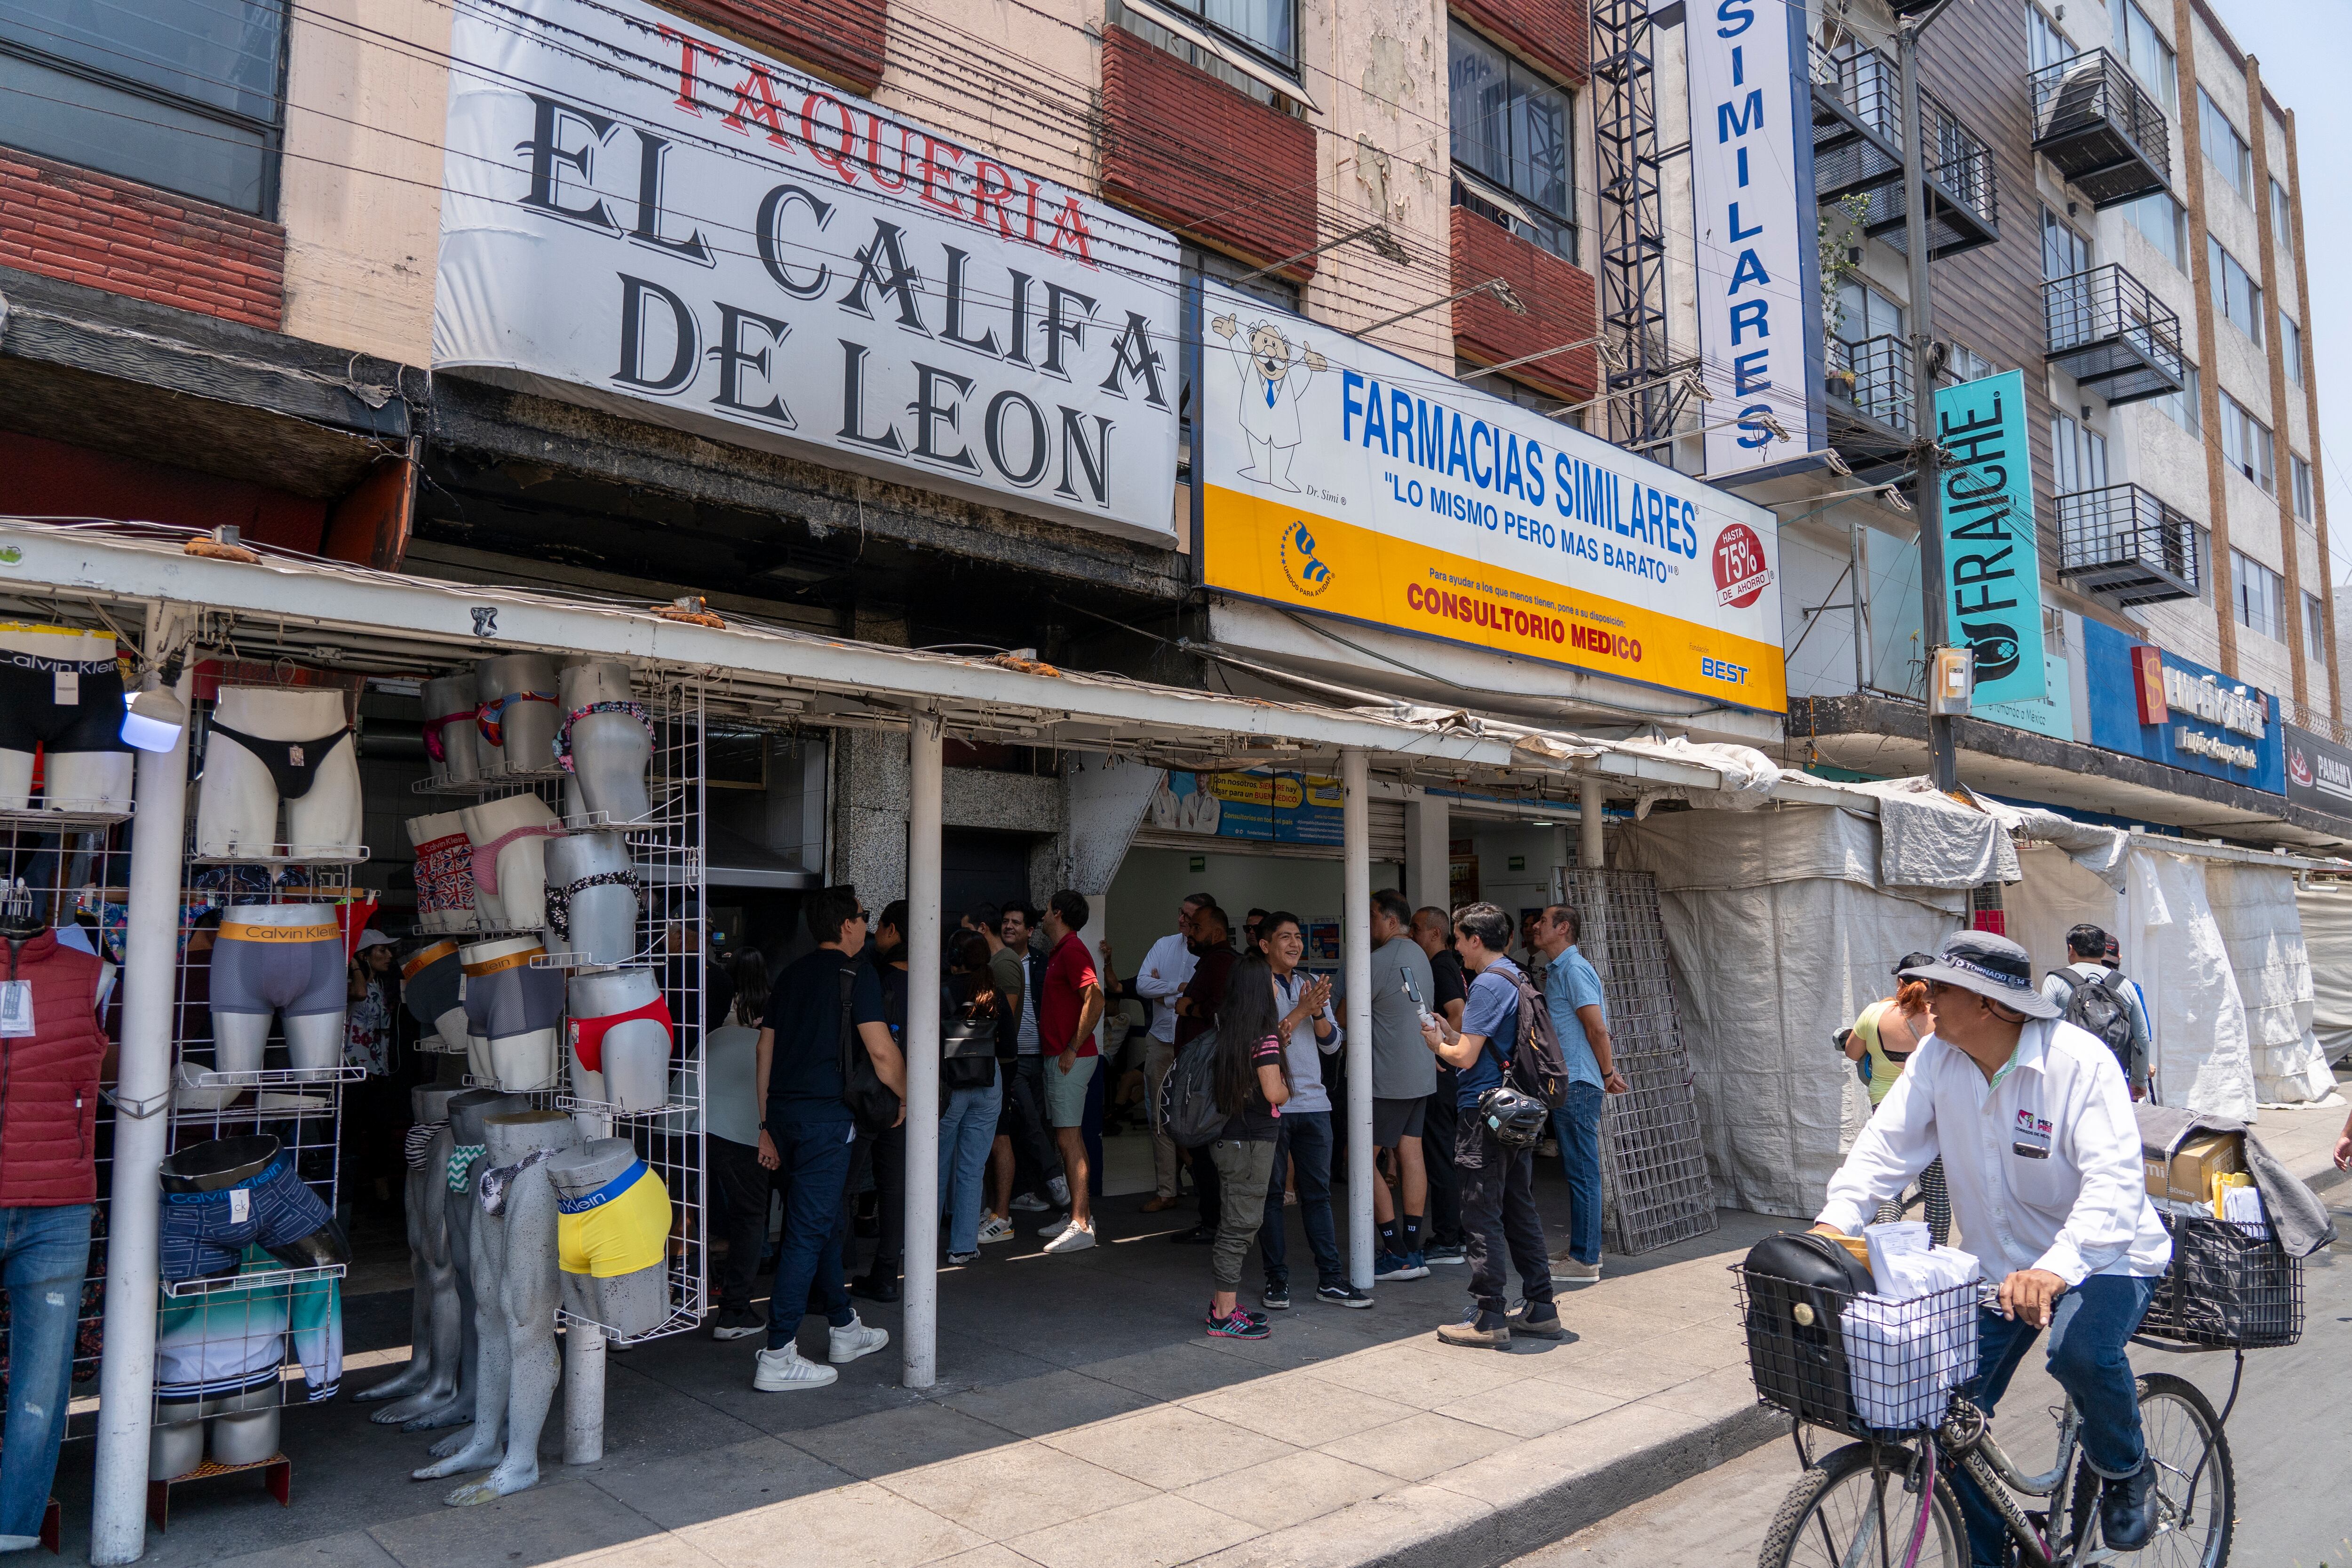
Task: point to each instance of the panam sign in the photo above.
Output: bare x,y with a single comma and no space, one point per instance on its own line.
642,215
1345,480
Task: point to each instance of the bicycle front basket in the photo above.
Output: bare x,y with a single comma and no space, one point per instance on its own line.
1859,1364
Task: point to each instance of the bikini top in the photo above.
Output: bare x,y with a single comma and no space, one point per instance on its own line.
563,732
492,715
558,899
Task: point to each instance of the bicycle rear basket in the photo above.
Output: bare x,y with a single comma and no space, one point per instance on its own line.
2228,1287
1858,1365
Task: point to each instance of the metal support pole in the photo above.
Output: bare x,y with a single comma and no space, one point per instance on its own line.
1927,497
921,1320
118,1523
1589,805
584,1392
1355,904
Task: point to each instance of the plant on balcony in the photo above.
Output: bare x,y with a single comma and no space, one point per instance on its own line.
1838,236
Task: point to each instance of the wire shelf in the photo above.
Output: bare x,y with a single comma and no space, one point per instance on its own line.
296,855
253,1280
279,1078
489,784
70,816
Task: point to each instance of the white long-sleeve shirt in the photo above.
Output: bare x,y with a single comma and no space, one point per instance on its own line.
1167,970
2042,1162
1303,1052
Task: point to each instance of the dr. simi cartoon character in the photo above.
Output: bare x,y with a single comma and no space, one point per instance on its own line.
1275,373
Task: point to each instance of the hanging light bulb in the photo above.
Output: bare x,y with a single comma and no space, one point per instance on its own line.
153,714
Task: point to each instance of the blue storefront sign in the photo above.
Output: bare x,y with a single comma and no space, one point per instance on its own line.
2149,703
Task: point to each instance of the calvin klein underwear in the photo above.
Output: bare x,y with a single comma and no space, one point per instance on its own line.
294,970
428,983
293,764
485,856
558,899
588,1034
418,1146
619,1229
31,714
499,1180
445,875
563,732
492,715
460,1168
205,1230
507,996
435,746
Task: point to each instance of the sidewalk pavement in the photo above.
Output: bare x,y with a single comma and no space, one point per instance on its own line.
1081,1417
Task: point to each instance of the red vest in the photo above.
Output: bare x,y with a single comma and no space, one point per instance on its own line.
48,1079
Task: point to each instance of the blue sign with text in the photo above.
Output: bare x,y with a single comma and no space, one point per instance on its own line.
2193,717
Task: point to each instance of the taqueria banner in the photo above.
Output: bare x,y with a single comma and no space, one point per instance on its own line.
1344,480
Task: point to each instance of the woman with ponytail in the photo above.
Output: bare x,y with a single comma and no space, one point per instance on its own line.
1252,1081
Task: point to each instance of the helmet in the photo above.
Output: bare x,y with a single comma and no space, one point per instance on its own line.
1518,1120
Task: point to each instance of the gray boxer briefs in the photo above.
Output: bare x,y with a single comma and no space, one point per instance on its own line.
299,971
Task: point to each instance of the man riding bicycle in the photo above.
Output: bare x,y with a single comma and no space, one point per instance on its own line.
2034,1121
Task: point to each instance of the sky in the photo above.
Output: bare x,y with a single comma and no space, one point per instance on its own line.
2306,50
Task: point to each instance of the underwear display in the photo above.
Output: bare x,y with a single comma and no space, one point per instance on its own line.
492,715
294,970
563,734
60,689
558,899
497,1181
461,1164
485,856
210,1219
621,1227
506,997
293,764
428,982
435,747
445,880
419,1143
233,1342
588,1034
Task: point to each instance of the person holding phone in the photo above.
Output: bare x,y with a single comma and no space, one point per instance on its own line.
1310,1033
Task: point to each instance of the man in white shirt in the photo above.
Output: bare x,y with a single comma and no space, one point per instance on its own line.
2042,1153
1310,1033
1166,969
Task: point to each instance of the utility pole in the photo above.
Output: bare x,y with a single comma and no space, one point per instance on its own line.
1926,453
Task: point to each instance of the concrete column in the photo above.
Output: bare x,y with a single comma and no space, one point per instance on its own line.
1356,924
583,1394
1428,851
118,1524
1589,849
922,1318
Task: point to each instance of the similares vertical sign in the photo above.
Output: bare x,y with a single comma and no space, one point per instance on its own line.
1759,300
1992,563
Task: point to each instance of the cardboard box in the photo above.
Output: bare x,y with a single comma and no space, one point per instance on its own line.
2188,1175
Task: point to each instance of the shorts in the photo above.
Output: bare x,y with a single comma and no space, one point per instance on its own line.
428,983
38,664
506,997
621,1227
1065,1092
1394,1121
206,1230
296,970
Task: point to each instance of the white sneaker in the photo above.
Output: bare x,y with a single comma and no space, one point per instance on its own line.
857,1340
995,1229
785,1371
1073,1238
1567,1270
1056,1229
1060,1187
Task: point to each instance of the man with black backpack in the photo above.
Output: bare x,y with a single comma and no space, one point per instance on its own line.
2097,999
1507,1065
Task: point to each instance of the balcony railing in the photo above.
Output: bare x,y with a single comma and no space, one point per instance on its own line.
2112,335
2100,128
1858,141
2124,547
1869,402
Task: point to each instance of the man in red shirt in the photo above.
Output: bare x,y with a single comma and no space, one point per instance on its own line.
1069,1005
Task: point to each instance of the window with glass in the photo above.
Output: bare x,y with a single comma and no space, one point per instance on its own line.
2235,293
1513,161
2261,595
2045,45
1865,314
2165,223
2064,252
1264,32
188,95
2291,347
2225,146
2304,507
2078,455
1510,391
2314,626
2246,445
1964,363
2183,407
2149,56
2281,214
2204,542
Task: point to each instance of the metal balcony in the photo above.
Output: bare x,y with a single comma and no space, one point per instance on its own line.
1858,150
2101,129
2113,336
1868,401
2124,547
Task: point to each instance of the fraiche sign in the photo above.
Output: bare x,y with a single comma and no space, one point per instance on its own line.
643,216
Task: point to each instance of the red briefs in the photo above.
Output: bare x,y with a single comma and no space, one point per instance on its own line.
588,1034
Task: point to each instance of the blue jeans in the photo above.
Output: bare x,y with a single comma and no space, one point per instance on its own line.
1306,1137
967,1133
1576,1125
2087,1337
46,1254
813,1170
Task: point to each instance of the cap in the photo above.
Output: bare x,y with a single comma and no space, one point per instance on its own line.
370,938
1992,966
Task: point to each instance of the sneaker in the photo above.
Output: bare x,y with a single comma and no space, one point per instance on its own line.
1479,1330
785,1371
1072,1238
959,1258
1442,1253
1540,1319
1569,1271
739,1325
1389,1269
1342,1295
1241,1325
1053,1227
856,1340
993,1229
1030,1203
1060,1187
1274,1297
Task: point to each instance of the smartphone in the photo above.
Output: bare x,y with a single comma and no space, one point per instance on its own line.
1414,992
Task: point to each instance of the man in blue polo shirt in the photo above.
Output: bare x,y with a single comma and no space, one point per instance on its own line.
1580,1018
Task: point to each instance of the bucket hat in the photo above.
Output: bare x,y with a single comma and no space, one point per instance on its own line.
1992,966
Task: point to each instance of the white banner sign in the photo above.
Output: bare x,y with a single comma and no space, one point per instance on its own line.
1752,188
643,216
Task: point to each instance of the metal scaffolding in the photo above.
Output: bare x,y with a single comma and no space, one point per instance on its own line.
1645,395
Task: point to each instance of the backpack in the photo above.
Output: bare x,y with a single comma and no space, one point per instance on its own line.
874,1105
1535,1067
2093,1005
1188,1097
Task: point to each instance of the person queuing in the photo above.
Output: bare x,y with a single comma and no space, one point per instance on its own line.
1499,1202
1068,1009
1196,1014
1449,992
879,1164
970,1005
1252,1082
1025,1158
1161,979
1580,1018
1303,1136
1884,1036
730,1141
1404,1076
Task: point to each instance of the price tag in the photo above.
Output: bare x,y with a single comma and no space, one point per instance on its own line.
240,1205
15,1008
69,691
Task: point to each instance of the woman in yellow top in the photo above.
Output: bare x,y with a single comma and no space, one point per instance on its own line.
1885,1035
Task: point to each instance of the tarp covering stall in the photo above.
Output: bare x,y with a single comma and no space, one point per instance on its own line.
2325,904
2174,948
2255,906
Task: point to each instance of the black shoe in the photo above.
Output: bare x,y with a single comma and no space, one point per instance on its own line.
1342,1295
1274,1297
2127,1509
1199,1235
874,1288
739,1325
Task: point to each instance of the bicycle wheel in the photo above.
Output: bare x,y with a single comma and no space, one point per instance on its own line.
1851,1510
2196,1490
